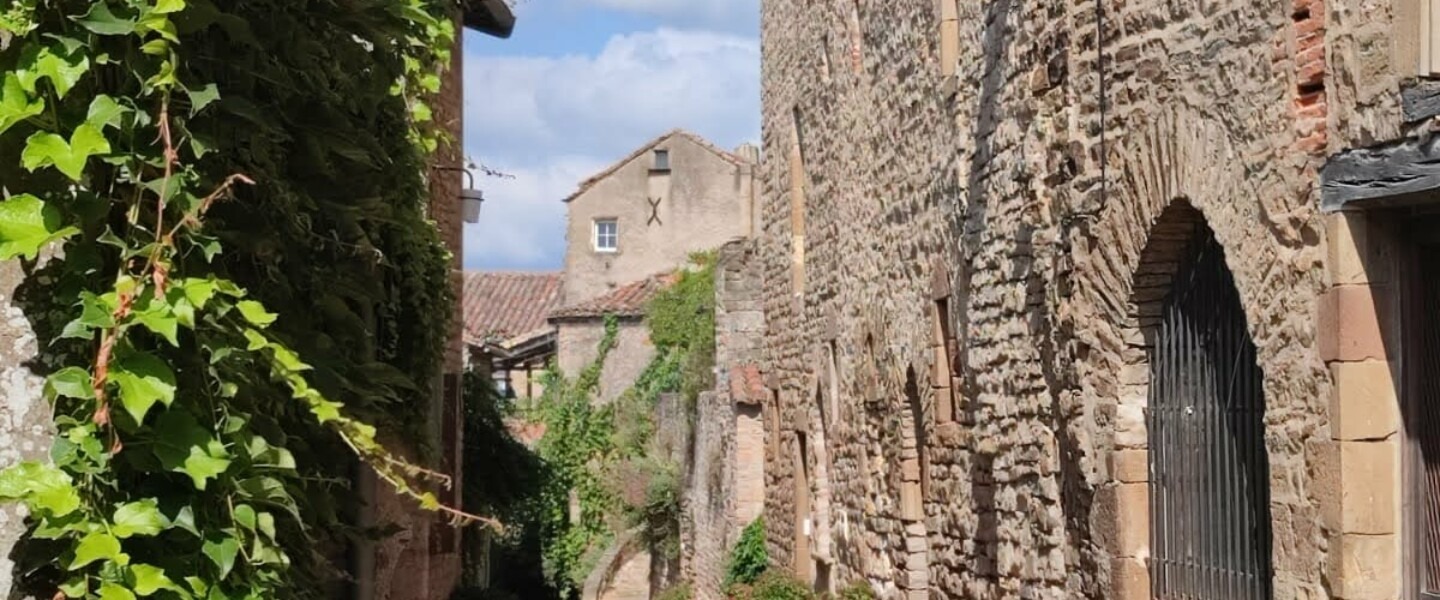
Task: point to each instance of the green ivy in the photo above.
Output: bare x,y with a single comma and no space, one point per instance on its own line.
596,452
749,558
578,438
237,191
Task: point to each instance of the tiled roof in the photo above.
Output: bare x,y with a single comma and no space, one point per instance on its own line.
702,142
628,300
501,305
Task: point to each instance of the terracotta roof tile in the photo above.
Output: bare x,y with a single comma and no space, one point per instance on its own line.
628,300
500,305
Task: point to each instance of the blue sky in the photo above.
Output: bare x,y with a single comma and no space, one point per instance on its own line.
579,85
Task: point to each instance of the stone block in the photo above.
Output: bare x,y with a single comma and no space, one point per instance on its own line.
1351,323
1132,504
1129,579
1130,466
912,505
1365,567
1130,431
1364,404
1357,484
944,405
1348,240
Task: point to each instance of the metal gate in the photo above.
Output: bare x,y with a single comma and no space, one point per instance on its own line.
1209,473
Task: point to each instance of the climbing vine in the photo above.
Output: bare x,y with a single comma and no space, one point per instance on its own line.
222,210
608,470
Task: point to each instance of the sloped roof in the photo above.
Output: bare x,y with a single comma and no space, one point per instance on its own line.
504,305
702,142
628,300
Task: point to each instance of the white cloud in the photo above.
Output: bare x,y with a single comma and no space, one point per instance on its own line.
522,220
638,86
705,12
552,122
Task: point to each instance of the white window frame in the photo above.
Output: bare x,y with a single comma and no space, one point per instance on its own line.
597,237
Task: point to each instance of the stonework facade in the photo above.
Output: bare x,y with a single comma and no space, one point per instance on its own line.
725,474
962,265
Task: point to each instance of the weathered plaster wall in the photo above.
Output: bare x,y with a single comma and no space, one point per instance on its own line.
579,340
1004,200
704,201
25,426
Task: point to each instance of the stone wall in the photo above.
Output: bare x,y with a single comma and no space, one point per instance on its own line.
25,426
724,483
1010,207
579,340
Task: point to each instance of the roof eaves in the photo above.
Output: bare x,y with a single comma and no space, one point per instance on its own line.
493,17
617,165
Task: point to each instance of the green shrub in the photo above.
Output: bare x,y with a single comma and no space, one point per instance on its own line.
749,559
857,591
678,592
775,585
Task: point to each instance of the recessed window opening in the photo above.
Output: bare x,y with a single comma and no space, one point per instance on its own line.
797,204
662,160
607,235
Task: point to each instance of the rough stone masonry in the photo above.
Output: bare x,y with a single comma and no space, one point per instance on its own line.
970,211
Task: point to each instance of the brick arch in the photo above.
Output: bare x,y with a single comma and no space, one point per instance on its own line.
1175,170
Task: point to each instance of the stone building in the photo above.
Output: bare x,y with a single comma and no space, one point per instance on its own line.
506,333
629,228
1100,299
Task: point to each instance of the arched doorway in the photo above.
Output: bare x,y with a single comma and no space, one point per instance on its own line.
1209,484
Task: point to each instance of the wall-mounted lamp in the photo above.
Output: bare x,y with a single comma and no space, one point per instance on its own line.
470,198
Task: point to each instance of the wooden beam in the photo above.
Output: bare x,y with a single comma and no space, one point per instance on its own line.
1386,171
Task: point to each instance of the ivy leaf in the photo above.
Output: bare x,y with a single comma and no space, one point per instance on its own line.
105,112
28,224
70,382
76,587
185,519
139,518
245,516
201,466
169,6
15,103
159,318
150,579
96,546
255,313
222,552
42,486
198,291
63,68
103,22
110,591
202,97
184,447
47,149
143,380
95,313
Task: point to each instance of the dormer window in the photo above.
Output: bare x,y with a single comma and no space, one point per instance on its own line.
607,235
661,161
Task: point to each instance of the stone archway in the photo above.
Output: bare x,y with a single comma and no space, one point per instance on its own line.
1277,273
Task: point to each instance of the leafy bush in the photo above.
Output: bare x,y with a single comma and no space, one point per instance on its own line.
773,585
749,558
857,591
679,592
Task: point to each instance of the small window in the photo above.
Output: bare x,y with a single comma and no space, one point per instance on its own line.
662,160
607,235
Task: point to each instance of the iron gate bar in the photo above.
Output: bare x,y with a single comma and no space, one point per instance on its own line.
1209,470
